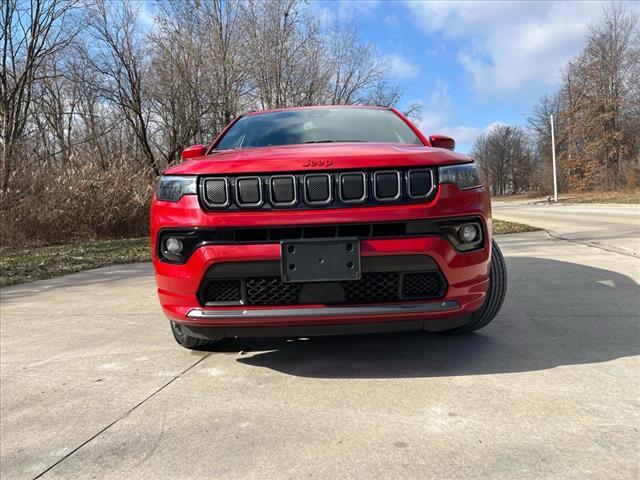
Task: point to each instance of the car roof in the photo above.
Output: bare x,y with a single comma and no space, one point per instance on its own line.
310,107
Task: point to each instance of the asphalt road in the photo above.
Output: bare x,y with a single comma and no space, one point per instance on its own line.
93,385
613,227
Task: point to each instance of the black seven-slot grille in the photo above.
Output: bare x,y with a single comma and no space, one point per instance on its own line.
311,190
373,287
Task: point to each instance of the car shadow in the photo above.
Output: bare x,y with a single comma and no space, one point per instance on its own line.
556,313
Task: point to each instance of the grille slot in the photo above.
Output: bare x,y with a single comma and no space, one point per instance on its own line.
249,191
283,190
216,192
386,185
353,187
419,183
317,189
389,229
222,291
422,285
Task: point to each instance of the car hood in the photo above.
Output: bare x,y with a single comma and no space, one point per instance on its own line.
325,157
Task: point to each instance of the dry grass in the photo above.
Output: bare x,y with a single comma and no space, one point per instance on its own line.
619,197
21,265
501,227
632,197
82,203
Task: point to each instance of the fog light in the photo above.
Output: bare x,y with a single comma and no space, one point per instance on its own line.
174,245
468,233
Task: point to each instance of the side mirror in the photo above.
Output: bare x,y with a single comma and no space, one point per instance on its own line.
194,151
442,141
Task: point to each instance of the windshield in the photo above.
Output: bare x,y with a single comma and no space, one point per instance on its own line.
318,125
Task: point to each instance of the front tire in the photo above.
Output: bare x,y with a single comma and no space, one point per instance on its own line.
495,295
186,341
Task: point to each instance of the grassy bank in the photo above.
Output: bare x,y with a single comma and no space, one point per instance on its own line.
622,197
501,227
21,265
604,197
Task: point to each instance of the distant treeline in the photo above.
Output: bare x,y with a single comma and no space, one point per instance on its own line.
597,121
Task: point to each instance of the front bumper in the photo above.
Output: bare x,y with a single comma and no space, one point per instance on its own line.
466,273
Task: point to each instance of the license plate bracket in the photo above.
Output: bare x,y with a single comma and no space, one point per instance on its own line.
321,260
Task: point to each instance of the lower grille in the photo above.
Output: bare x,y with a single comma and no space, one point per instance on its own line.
223,291
381,287
417,285
272,291
374,287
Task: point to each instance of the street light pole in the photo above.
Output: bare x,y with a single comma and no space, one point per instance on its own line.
553,154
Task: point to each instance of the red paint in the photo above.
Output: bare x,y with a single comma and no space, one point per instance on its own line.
194,151
442,141
466,273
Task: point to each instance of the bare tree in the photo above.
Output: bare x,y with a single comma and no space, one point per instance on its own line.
282,40
201,80
32,32
599,97
506,160
355,67
119,63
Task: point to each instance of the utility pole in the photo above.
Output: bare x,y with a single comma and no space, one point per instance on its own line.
553,154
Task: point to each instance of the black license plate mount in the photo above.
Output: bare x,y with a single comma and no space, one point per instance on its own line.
320,260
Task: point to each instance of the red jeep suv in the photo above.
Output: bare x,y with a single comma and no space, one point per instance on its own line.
324,220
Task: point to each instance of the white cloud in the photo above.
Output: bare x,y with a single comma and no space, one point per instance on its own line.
436,118
401,68
511,48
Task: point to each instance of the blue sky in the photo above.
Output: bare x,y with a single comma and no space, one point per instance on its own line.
472,64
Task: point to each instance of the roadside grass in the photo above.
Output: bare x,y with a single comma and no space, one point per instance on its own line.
604,197
500,227
620,197
22,265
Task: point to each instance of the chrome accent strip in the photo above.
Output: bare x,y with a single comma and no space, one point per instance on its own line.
295,191
387,309
408,183
364,188
375,186
203,193
329,200
249,205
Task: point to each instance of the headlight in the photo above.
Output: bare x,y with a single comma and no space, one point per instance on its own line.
172,188
464,176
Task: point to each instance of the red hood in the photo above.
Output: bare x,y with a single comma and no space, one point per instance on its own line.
302,158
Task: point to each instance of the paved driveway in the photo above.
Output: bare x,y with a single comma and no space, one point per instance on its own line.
93,385
612,227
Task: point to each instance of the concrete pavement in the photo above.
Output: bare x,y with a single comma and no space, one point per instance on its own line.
93,385
612,227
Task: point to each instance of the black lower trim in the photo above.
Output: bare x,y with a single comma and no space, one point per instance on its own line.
267,268
218,333
193,238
